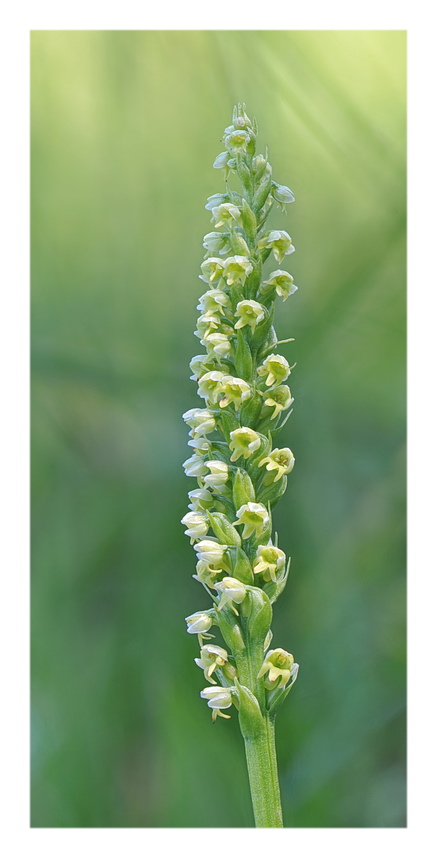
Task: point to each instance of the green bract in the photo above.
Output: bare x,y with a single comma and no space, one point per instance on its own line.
239,476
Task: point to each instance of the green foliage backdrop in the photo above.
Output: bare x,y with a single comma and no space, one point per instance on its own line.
125,127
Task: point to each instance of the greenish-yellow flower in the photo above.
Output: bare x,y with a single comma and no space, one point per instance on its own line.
250,313
237,269
276,368
282,282
279,460
244,442
278,664
278,241
269,560
255,518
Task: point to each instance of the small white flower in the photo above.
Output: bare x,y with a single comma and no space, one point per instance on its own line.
200,499
218,698
282,282
201,420
197,524
212,269
217,343
211,551
231,590
195,466
206,323
226,214
219,474
221,160
216,200
200,365
211,657
211,385
198,623
207,573
214,301
199,445
279,242
250,313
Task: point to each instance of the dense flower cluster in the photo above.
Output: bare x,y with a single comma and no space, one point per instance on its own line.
240,474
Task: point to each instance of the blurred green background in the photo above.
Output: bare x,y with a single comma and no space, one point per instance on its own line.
125,127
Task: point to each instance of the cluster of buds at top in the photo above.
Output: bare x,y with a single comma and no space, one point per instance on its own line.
240,473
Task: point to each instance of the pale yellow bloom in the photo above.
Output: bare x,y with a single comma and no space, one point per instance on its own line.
255,518
250,313
279,460
244,442
278,663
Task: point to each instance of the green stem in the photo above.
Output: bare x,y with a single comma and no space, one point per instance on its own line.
260,746
273,761
263,777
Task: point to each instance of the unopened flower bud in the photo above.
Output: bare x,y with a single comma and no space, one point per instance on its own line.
240,565
242,489
217,242
225,532
259,164
221,160
282,194
216,200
